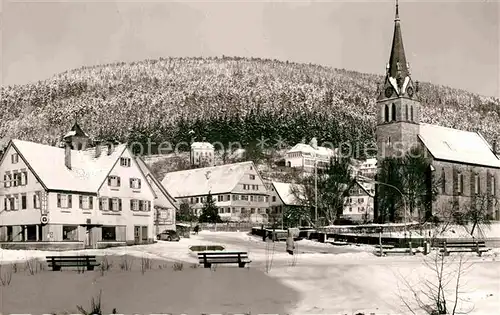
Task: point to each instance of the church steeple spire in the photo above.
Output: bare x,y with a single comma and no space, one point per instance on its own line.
398,69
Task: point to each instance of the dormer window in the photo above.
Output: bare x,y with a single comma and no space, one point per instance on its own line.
14,158
125,162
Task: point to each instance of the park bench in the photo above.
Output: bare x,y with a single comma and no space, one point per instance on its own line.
56,262
462,246
221,257
386,251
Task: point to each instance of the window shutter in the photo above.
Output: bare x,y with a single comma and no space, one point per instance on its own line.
34,200
110,204
70,201
5,181
131,182
131,204
139,182
109,180
91,203
59,200
118,181
149,205
100,203
141,205
80,201
5,203
119,204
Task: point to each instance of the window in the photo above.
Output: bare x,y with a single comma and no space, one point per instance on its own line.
135,183
252,176
36,200
103,204
411,112
443,181
86,202
16,179
244,197
64,201
236,197
386,113
24,178
393,110
125,162
114,181
460,183
134,205
144,205
115,204
14,158
197,199
7,178
406,107
477,183
109,233
493,185
228,197
274,198
70,233
24,204
220,198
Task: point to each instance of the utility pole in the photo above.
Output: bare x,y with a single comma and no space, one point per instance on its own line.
316,192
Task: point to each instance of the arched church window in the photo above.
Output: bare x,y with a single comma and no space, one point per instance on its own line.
406,107
443,181
411,112
393,110
386,113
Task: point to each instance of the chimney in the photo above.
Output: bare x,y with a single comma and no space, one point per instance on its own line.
67,154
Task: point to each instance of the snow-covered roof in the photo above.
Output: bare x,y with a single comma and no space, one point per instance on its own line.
306,148
457,145
202,145
199,181
86,174
284,191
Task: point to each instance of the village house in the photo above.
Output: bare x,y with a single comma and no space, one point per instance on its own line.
305,156
282,201
165,206
202,154
359,205
368,168
464,161
238,190
73,197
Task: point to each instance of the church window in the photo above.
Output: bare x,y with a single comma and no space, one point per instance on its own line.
493,185
386,113
393,109
443,181
477,183
460,183
406,107
411,113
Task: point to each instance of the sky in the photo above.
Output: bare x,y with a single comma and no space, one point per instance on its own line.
454,43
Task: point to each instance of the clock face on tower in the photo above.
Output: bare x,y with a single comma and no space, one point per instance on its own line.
388,92
410,91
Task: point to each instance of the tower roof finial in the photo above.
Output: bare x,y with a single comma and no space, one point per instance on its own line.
397,11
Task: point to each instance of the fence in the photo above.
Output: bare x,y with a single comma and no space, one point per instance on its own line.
226,227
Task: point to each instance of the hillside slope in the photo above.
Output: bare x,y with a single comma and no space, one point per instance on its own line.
223,99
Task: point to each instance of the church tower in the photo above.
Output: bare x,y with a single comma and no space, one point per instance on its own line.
398,110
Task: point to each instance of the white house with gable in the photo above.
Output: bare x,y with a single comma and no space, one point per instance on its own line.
238,190
202,154
304,156
73,197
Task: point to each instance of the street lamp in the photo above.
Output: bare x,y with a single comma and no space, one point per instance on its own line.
366,179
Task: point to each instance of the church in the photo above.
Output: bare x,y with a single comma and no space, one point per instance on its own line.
466,164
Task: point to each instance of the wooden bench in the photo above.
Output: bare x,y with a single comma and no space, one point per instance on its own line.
462,246
221,257
386,251
56,262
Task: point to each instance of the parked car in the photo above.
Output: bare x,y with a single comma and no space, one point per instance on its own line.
169,235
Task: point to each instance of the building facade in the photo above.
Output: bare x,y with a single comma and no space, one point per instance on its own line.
305,156
202,154
73,197
238,190
463,161
359,205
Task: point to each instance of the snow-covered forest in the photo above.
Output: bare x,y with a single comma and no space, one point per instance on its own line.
222,99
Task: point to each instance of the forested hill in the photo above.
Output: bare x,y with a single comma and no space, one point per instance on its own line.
222,99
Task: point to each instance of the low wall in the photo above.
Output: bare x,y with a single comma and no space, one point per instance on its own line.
67,245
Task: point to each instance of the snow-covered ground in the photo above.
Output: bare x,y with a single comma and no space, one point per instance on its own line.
328,283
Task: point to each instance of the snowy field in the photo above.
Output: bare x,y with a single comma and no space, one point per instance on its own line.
344,283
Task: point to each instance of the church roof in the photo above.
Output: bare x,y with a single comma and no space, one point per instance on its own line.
457,146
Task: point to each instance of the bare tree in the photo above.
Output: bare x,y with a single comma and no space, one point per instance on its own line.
439,290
